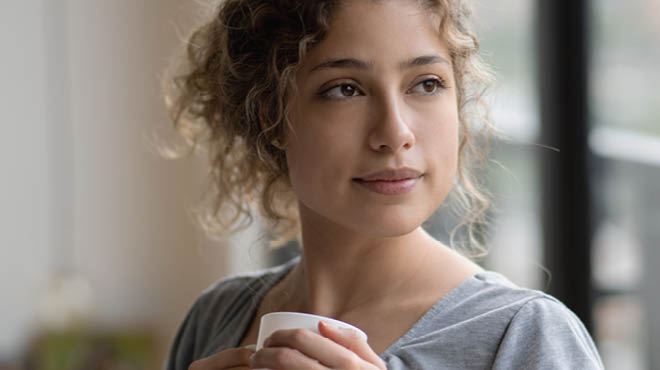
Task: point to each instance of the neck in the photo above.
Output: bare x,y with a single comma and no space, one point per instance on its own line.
340,272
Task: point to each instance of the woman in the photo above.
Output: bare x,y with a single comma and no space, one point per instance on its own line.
349,119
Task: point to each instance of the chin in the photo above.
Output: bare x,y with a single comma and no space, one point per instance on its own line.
389,227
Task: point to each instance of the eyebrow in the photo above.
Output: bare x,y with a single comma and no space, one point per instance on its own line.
353,63
342,63
424,60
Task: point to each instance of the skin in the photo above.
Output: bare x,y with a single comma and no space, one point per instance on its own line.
392,105
388,120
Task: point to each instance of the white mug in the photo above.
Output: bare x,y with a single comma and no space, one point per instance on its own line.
274,321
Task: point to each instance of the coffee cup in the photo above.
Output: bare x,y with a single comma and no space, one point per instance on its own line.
274,321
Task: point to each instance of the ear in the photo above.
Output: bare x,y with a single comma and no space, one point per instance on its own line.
265,126
276,143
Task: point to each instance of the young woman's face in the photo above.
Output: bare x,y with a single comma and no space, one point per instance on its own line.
375,124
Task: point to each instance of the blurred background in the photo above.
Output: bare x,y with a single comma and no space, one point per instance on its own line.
99,257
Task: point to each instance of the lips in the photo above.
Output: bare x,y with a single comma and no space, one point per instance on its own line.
391,175
390,181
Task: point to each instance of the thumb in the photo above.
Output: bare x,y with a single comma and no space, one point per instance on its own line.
351,340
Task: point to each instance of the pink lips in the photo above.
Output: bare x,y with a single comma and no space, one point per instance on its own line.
391,181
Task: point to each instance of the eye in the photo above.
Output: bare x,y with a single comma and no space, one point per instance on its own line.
340,91
430,86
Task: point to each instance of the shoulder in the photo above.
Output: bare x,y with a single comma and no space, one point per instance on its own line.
233,287
230,296
487,297
219,313
489,322
540,331
239,289
464,328
545,334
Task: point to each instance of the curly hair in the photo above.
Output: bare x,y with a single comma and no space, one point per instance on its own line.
228,93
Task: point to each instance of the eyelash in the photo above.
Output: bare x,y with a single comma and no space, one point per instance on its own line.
438,82
439,85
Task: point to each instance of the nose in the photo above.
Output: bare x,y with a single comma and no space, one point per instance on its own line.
390,132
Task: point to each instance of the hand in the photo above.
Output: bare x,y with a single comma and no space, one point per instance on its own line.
231,359
302,349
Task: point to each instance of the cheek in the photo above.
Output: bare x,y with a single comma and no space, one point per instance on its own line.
439,131
316,160
300,165
440,143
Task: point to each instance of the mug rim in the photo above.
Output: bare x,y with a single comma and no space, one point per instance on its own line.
317,317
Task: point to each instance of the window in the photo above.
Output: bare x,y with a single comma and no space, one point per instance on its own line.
625,140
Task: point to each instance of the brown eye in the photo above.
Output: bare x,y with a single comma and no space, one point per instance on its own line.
347,90
429,86
341,92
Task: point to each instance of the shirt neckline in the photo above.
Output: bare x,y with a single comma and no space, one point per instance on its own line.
277,273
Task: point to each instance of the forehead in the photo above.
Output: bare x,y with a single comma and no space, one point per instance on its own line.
380,32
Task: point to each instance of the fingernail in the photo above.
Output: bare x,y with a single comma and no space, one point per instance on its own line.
331,326
347,331
251,347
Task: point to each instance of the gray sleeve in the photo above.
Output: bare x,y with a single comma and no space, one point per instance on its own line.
182,348
544,334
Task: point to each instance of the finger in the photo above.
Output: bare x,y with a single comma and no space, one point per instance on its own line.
283,358
352,340
314,346
231,358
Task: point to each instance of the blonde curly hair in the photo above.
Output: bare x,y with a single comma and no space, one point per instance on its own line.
228,92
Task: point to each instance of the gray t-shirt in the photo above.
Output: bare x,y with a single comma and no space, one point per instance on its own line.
486,322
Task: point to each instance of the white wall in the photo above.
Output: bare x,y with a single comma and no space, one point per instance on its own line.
24,196
79,187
